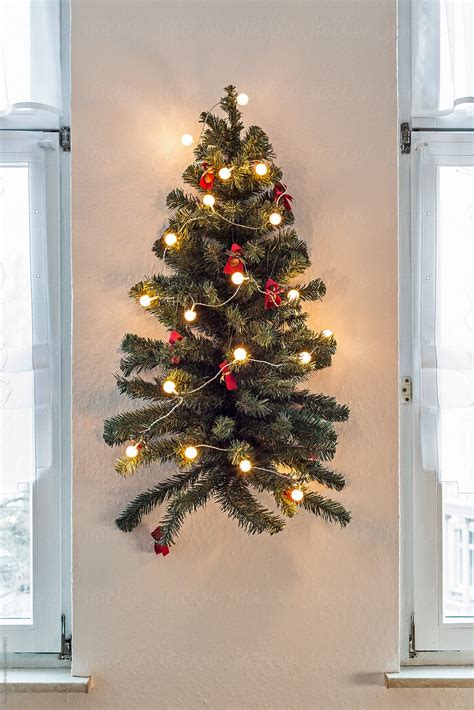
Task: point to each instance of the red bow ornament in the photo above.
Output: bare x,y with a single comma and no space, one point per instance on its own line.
272,294
207,178
175,337
227,376
234,262
280,194
159,548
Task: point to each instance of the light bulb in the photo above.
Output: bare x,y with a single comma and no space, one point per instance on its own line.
242,99
275,219
187,139
208,200
237,278
261,169
327,333
190,315
305,357
145,300
170,239
224,173
293,294
245,465
240,354
169,387
297,495
131,451
190,452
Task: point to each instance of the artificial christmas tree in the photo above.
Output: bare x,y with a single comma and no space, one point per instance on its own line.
225,405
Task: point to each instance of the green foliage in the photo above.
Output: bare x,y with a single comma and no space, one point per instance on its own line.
287,433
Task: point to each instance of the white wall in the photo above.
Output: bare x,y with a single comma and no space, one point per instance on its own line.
309,618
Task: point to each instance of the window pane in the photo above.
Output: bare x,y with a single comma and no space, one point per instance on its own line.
15,556
458,553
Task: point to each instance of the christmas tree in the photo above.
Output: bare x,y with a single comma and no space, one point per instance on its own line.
222,394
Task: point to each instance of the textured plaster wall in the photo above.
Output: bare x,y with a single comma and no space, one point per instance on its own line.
309,618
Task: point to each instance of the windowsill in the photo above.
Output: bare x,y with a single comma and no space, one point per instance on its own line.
45,680
431,677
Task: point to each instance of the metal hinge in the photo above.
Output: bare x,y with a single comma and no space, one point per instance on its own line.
66,642
405,138
405,390
65,138
411,638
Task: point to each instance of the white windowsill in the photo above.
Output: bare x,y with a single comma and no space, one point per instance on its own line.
431,677
45,680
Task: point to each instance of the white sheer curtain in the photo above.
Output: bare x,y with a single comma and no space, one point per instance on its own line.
30,70
442,56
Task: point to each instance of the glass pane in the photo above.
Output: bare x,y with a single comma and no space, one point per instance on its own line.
15,557
458,553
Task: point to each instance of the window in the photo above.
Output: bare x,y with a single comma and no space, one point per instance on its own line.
34,329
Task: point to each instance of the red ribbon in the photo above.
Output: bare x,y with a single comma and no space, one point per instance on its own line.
159,549
175,337
207,178
227,376
234,262
272,297
280,194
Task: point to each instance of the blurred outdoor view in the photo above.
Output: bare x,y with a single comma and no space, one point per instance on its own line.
15,556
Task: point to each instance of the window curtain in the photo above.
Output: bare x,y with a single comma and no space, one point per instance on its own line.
30,70
442,56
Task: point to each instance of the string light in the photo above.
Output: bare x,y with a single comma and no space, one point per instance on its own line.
224,173
297,495
237,278
327,333
190,315
190,452
293,294
131,451
240,354
242,99
145,300
169,387
305,357
170,239
245,465
261,169
187,139
209,200
275,219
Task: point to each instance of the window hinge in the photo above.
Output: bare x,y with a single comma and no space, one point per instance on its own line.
411,638
405,390
66,642
65,138
405,138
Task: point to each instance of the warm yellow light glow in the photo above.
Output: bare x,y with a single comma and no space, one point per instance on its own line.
245,465
224,173
169,387
297,495
293,294
305,357
327,333
275,219
242,99
170,239
208,200
190,452
131,451
187,139
261,169
240,354
145,300
237,278
190,315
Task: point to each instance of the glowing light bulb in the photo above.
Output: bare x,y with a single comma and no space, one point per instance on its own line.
245,465
187,139
275,219
242,99
297,495
190,452
224,173
170,239
237,278
131,451
327,333
145,300
305,357
240,354
169,387
190,315
293,294
261,169
208,200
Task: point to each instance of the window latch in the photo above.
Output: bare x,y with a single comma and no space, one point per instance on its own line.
405,138
65,138
66,642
